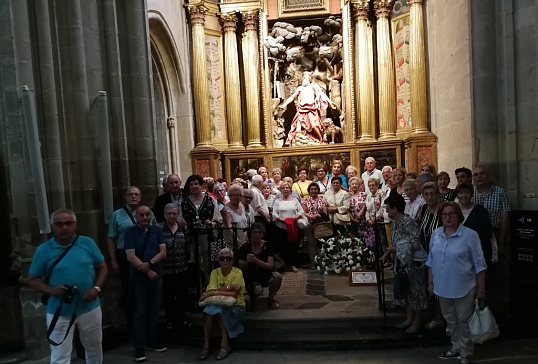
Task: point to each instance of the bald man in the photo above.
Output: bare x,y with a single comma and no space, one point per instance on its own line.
145,249
173,195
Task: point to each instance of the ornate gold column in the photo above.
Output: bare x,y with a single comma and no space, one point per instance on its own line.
364,71
199,72
417,68
251,71
385,71
233,88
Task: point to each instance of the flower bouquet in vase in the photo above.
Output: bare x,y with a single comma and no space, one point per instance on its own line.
344,253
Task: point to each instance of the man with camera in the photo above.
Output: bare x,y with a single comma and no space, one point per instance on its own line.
70,270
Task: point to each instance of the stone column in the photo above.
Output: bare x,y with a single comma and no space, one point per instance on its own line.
364,71
233,87
385,71
199,73
417,68
251,71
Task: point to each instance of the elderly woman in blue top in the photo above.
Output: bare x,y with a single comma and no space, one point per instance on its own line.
457,272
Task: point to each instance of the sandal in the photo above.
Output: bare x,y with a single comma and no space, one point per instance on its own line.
223,353
465,360
186,324
273,304
294,269
449,355
204,354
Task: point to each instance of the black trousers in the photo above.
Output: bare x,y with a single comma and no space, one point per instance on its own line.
126,294
175,293
287,248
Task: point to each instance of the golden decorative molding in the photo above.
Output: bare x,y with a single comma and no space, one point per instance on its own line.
232,83
250,20
383,8
349,129
229,22
197,14
411,2
302,8
360,9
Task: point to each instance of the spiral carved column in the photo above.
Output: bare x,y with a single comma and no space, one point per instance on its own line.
417,68
201,86
385,70
365,75
233,89
251,71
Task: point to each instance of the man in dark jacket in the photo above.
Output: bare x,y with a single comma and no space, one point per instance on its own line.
172,196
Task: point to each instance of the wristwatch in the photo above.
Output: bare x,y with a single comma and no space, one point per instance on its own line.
97,288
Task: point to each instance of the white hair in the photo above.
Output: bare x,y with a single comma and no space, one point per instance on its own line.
170,206
251,173
389,168
62,211
256,180
226,250
370,158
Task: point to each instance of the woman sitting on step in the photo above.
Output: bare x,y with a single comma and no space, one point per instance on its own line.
226,283
256,259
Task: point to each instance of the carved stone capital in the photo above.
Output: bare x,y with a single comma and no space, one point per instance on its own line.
229,22
411,2
383,8
360,9
197,14
250,20
170,122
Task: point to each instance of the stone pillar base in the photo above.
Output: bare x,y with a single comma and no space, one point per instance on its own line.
421,147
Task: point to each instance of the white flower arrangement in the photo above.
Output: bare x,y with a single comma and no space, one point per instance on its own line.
344,253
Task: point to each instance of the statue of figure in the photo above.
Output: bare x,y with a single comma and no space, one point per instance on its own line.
331,131
307,120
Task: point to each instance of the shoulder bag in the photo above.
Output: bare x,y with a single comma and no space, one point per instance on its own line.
45,297
130,215
482,325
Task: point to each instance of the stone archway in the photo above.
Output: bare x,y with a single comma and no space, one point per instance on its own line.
169,93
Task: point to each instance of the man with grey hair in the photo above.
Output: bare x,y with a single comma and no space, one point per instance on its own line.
174,194
164,184
423,178
372,172
261,211
70,265
251,173
386,172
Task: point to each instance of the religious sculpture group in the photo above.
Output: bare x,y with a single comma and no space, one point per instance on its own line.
306,68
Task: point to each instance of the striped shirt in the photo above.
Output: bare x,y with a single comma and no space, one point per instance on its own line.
455,261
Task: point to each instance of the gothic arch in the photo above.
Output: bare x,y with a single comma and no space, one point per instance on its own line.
169,90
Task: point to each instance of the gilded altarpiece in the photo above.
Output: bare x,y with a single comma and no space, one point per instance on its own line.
333,79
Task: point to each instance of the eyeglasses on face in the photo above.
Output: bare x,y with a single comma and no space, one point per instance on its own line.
257,232
133,194
171,213
247,197
448,214
225,259
60,224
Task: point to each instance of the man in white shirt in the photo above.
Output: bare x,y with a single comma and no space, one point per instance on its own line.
386,173
372,172
258,203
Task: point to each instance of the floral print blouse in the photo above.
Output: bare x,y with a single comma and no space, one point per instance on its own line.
314,206
356,203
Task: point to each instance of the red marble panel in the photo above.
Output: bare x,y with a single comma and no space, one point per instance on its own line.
424,155
202,167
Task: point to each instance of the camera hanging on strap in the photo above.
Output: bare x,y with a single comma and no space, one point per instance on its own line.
70,295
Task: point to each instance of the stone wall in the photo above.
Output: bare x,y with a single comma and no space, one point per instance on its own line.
449,67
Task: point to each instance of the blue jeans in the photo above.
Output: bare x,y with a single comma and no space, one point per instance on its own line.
146,296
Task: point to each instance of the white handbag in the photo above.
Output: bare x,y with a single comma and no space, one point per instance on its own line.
482,325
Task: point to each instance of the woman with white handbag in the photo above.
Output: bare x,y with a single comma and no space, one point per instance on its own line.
456,271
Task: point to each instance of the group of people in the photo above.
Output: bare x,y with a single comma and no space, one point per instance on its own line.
438,247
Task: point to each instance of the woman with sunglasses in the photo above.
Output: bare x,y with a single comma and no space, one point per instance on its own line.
226,280
456,273
256,259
